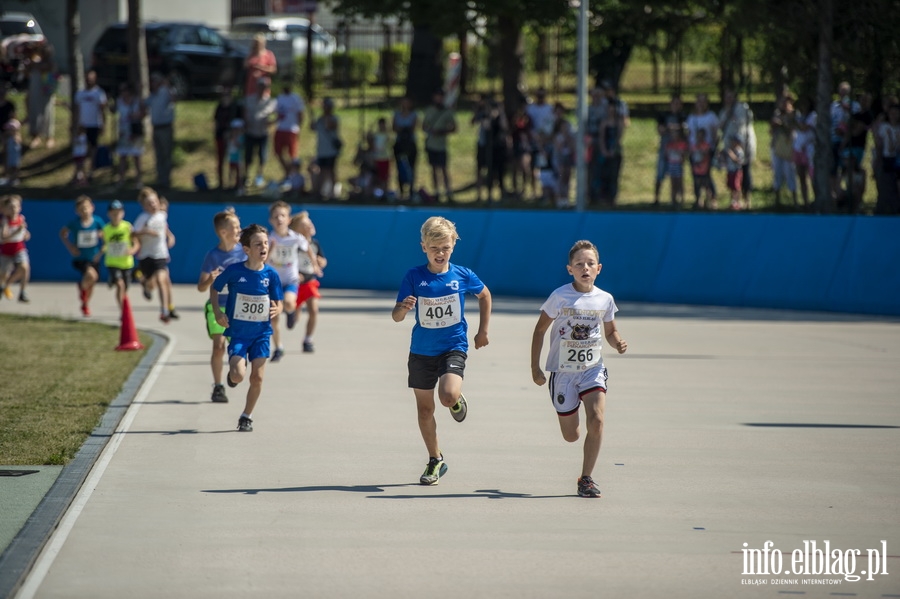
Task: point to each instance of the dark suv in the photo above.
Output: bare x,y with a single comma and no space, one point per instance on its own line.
197,60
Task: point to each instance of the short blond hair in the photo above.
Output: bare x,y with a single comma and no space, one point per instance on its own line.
583,245
438,227
279,204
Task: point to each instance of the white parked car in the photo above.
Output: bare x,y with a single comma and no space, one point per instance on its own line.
284,32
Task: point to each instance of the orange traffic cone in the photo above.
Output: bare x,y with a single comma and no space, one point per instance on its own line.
128,338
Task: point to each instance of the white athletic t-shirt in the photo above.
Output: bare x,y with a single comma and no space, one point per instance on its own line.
153,246
284,255
576,336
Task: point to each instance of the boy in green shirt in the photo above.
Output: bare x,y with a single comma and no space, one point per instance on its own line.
119,247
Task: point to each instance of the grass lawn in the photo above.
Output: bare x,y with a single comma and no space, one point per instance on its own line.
47,172
60,378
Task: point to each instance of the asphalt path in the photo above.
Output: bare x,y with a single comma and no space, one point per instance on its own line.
725,429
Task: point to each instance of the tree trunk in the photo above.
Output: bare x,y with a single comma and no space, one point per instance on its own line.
137,50
463,37
76,61
823,158
609,64
510,47
425,74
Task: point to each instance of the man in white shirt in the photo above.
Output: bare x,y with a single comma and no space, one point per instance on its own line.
289,109
90,106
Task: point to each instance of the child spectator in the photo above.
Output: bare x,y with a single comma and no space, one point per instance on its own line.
12,142
132,111
381,157
227,110
296,180
235,158
364,182
227,252
701,163
83,237
436,291
676,152
79,155
734,165
580,315
120,244
152,229
248,323
308,292
545,161
804,149
14,264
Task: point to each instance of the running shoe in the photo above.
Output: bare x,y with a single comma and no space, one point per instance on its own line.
277,354
147,293
291,319
435,469
308,347
164,318
460,409
259,181
85,310
173,314
245,425
228,380
23,297
587,487
218,394
7,293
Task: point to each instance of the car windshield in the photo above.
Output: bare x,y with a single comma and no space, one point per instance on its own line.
8,28
250,28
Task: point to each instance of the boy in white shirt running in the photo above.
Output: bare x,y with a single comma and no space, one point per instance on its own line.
580,316
284,251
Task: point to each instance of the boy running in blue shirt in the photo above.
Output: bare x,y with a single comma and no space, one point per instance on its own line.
439,337
228,251
254,299
83,238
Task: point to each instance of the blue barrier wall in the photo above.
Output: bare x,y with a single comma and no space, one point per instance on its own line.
839,263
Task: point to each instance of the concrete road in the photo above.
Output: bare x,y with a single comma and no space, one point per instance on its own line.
725,429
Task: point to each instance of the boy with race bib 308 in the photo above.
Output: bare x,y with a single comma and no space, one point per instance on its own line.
579,315
254,299
437,355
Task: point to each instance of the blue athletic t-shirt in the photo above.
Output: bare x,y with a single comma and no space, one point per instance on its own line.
249,296
440,319
216,258
86,238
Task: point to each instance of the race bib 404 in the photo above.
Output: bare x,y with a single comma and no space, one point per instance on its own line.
439,312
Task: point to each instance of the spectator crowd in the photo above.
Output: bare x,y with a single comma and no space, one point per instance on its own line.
529,153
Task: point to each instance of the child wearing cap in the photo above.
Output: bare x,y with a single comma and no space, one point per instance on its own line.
119,247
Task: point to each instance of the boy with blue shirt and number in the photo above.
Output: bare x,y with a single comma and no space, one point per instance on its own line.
254,299
83,237
437,355
228,251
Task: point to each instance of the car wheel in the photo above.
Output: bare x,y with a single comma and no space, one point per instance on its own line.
180,82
